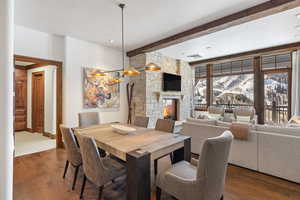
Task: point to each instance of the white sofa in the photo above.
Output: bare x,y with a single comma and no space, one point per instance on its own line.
270,150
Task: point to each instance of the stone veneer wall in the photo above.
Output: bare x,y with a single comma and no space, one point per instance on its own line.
148,95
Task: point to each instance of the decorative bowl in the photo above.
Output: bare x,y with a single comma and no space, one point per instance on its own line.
123,130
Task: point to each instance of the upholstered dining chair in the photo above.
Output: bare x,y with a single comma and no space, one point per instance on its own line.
97,170
203,181
88,119
164,125
141,121
73,152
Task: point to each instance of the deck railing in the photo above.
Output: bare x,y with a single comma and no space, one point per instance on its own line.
276,114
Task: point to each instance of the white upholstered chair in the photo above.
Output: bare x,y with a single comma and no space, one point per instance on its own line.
202,180
88,119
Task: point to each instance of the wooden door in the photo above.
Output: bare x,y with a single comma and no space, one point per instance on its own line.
20,123
38,90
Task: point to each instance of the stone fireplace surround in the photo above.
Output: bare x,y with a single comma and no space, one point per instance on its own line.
148,95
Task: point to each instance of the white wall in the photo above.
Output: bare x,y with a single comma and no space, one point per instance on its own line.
75,54
79,54
6,100
37,44
50,98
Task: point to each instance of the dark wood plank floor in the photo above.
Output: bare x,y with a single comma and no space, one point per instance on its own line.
39,176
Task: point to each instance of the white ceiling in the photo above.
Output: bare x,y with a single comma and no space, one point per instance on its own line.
265,32
146,21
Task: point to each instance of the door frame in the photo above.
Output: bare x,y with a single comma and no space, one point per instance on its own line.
59,87
32,97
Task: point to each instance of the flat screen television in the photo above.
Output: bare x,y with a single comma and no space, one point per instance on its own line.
171,82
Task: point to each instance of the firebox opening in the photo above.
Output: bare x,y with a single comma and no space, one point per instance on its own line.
170,109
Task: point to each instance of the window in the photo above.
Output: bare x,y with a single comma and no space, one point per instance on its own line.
200,88
200,93
232,85
200,72
276,97
234,67
233,90
282,61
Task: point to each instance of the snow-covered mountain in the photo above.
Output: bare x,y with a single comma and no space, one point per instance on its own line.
238,89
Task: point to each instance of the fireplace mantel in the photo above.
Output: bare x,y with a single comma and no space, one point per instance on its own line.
178,95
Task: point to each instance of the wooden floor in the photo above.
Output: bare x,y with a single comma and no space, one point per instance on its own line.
39,176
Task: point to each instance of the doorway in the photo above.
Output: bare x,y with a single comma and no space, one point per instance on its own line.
38,103
38,100
20,99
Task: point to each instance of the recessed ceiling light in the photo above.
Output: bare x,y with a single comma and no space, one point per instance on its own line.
111,41
194,56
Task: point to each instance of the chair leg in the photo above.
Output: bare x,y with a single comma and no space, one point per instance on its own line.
172,158
83,186
158,193
100,193
102,152
66,168
222,198
155,167
75,177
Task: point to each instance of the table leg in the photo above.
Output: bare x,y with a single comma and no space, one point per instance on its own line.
183,153
138,176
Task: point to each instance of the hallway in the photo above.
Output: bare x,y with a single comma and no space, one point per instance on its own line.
28,143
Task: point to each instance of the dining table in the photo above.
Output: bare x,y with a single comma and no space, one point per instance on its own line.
138,149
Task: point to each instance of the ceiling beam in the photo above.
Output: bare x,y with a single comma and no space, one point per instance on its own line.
262,10
248,54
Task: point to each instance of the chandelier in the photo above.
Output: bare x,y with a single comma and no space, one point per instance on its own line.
130,70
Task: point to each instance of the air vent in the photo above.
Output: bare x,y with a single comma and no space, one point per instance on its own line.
195,56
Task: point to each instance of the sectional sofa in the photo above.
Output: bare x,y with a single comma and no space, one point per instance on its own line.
268,149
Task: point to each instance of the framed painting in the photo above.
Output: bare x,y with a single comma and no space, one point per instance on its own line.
100,91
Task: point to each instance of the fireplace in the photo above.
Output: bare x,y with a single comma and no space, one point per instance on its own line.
170,109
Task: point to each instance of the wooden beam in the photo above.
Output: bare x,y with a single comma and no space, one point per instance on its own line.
20,67
248,54
262,10
36,60
259,90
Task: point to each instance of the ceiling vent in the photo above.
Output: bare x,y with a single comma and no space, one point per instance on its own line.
194,56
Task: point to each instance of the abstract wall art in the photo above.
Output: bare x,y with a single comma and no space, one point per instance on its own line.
100,91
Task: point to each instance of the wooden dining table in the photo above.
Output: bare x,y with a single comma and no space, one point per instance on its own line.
139,149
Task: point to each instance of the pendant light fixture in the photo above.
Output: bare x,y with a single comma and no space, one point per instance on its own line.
129,71
98,74
152,67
